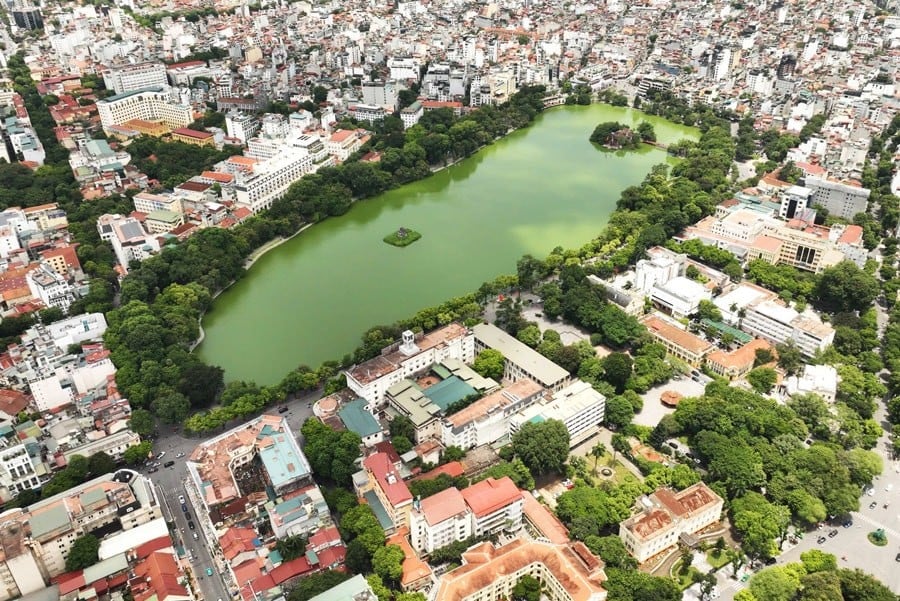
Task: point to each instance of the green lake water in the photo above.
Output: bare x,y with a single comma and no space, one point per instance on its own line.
311,298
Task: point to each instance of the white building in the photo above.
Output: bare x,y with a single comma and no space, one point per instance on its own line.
147,105
380,94
113,445
270,179
665,515
242,126
496,506
816,379
77,329
439,520
368,112
140,76
146,202
403,68
487,420
128,238
578,406
343,143
521,361
49,393
658,269
411,114
17,470
839,199
371,379
778,324
679,296
794,200
9,241
51,288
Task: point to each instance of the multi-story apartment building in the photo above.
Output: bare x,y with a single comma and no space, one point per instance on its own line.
567,572
578,406
772,321
371,379
147,202
384,490
665,515
145,105
50,287
113,445
128,238
344,142
439,520
46,217
411,114
496,505
521,361
804,245
19,470
268,180
133,77
36,540
240,125
268,440
838,198
487,420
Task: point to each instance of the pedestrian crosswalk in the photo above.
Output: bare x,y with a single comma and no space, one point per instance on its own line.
877,524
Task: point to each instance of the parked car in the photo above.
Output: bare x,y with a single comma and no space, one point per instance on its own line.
184,507
848,523
833,533
153,470
209,571
168,464
568,484
889,487
191,525
161,455
196,536
897,557
821,540
873,504
282,409
179,455
181,499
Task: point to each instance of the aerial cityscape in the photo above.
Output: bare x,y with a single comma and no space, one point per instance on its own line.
449,301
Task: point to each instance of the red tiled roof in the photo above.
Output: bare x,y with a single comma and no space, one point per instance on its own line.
192,133
388,479
157,544
454,469
443,505
491,495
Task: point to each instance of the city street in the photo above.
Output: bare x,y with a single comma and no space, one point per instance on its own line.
170,484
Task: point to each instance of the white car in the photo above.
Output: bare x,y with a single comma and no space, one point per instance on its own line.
181,499
179,455
889,487
161,455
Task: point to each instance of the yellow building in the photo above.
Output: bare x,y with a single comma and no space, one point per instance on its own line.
156,129
192,136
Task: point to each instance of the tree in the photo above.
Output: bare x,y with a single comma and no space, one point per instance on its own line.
528,588
83,553
845,287
201,383
708,310
790,359
617,370
141,422
762,379
172,408
100,463
139,453
515,470
775,584
612,551
318,583
646,131
856,585
619,411
291,547
815,560
631,585
530,335
543,447
489,363
763,356
387,562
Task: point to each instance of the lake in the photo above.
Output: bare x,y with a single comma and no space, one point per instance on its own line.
311,298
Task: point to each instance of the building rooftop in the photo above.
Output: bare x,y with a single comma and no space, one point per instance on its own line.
443,506
354,589
357,419
491,495
496,401
282,457
676,336
573,566
545,371
388,479
547,524
449,391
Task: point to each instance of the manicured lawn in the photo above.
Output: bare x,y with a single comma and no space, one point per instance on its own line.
402,237
716,561
684,580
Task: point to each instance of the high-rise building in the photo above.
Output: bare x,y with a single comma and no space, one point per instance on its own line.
132,77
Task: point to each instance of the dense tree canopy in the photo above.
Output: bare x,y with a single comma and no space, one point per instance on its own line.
542,446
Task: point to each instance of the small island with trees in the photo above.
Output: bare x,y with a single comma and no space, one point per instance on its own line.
402,237
617,136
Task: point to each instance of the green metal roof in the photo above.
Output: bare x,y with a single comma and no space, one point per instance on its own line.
358,420
445,393
741,337
349,589
378,509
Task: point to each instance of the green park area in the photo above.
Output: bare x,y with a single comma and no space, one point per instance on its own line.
402,237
